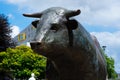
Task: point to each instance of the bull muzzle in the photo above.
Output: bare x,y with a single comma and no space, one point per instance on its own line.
34,44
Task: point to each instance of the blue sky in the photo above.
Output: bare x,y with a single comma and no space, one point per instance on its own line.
14,15
100,18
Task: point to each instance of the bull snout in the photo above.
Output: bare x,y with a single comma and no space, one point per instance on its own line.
34,45
40,48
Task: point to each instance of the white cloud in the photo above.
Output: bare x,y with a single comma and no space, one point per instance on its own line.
107,38
15,31
103,12
16,1
10,16
112,41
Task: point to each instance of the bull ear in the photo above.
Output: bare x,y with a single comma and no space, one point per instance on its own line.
34,23
72,24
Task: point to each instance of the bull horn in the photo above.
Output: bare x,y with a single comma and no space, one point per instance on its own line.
72,13
34,15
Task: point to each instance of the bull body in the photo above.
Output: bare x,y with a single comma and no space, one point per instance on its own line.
73,54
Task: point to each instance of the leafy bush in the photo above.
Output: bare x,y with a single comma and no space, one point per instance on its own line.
22,61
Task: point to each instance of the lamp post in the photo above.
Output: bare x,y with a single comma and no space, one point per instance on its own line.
104,47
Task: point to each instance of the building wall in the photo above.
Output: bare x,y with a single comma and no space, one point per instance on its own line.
25,36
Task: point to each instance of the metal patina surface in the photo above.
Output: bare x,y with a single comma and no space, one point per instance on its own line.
73,54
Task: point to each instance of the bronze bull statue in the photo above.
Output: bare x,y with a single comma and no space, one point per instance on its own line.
73,54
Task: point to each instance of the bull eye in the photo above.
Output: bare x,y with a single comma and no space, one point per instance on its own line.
54,27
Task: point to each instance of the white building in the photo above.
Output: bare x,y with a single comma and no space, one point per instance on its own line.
25,36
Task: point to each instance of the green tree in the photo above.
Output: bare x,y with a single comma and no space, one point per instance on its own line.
22,61
110,67
5,37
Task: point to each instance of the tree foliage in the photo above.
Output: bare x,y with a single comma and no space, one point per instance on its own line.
22,61
5,37
110,67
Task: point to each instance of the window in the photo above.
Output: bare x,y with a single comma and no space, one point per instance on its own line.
22,37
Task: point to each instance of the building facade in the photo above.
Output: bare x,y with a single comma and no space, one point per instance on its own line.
25,36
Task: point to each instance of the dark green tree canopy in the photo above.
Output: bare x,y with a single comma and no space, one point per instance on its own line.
5,37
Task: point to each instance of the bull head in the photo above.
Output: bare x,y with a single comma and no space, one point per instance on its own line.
54,29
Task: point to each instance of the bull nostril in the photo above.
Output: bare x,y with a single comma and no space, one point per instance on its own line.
34,44
38,43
